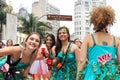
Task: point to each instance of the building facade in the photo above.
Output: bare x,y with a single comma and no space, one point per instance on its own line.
41,9
82,10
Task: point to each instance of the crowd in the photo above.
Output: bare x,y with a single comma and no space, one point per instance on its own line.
97,57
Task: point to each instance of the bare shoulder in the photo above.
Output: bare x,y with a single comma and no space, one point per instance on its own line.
87,38
117,42
53,50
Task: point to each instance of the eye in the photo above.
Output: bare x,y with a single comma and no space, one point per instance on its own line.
59,33
31,38
37,40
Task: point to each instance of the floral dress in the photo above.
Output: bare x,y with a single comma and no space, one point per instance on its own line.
101,63
19,68
68,70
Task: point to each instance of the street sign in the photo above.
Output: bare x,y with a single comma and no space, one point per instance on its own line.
59,17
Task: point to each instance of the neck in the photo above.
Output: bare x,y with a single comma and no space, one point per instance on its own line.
65,43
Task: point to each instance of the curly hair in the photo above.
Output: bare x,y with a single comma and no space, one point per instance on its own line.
101,17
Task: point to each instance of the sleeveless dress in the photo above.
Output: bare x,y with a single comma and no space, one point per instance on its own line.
68,70
19,68
16,67
101,63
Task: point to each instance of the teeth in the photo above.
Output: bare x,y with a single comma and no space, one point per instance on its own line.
32,44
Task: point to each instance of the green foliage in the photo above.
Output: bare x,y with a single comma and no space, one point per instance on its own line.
29,25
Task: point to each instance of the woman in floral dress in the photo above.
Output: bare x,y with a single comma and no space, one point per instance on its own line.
100,49
67,57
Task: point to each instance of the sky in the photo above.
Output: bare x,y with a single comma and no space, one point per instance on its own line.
67,8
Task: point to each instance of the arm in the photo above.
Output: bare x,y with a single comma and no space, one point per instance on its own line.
28,68
54,54
10,50
83,53
117,44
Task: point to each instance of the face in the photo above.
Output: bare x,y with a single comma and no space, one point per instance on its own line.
33,42
9,43
63,35
77,42
49,41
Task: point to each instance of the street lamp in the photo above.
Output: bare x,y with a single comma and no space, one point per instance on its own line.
38,20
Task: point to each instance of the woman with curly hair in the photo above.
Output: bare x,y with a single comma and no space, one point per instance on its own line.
100,49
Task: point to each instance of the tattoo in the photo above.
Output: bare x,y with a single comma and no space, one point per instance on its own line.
104,43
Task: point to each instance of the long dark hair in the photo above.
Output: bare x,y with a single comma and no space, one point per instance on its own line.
58,43
53,39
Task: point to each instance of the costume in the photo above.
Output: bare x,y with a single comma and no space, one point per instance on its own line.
39,68
101,63
69,68
15,71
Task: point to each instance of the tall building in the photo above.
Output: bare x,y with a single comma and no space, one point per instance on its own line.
51,9
82,10
41,8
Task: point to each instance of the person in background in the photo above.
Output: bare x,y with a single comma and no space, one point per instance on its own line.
100,48
66,57
21,57
1,44
9,42
78,42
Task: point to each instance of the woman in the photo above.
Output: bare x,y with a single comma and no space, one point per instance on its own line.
9,42
21,57
39,67
1,44
49,42
100,48
67,55
78,42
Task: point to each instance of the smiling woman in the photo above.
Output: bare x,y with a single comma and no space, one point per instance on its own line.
66,57
19,58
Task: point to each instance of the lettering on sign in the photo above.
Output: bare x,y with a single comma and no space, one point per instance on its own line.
59,17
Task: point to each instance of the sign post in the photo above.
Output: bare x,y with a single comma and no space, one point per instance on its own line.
59,17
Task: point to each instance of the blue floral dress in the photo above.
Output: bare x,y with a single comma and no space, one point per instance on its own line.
68,70
94,70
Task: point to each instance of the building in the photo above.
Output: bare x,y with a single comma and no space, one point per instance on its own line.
82,10
40,9
22,13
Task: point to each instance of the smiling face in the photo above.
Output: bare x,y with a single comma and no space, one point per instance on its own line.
49,41
33,41
63,35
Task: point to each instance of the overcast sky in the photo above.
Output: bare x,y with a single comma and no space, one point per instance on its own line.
67,8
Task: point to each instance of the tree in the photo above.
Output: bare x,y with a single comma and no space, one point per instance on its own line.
30,23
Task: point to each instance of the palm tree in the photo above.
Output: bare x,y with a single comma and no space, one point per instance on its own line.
30,23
